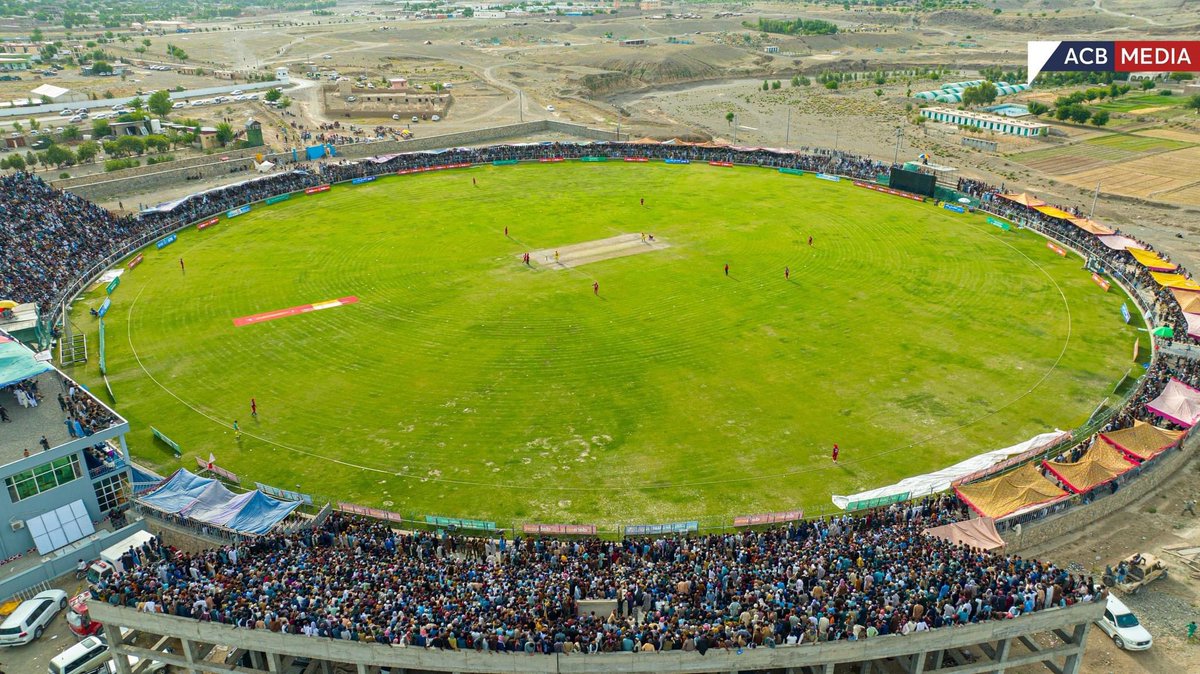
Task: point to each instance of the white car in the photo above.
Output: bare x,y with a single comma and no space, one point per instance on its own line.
436,118
549,108
351,99
63,113
237,92
29,620
178,104
396,117
1120,624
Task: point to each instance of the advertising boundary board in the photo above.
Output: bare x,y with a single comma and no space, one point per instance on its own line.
677,161
559,529
283,494
200,226
791,171
217,470
240,210
112,285
726,164
657,529
768,518
586,159
363,179
1057,249
954,207
278,198
378,514
439,167
512,162
318,188
832,179
999,223
135,261
551,160
166,241
637,160
104,307
888,190
1100,281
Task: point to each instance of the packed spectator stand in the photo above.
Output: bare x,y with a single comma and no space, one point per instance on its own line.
851,577
847,578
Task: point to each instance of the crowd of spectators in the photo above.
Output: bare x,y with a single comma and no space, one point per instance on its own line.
846,578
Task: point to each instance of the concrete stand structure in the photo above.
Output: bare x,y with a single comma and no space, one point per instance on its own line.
992,647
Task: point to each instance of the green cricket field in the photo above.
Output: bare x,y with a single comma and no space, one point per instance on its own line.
633,380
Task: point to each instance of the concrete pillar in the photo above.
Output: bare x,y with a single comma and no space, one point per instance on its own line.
256,660
119,658
326,667
274,663
189,654
362,669
866,667
1074,661
917,664
828,668
1003,648
935,662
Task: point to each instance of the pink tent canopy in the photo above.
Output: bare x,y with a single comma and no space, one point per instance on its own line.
1193,323
1118,242
976,533
1178,402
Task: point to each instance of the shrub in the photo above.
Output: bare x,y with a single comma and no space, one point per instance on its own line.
118,164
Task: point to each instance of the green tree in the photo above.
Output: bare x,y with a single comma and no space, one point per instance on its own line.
776,84
34,124
224,133
137,103
1079,114
285,103
36,35
1036,108
831,84
1100,118
1147,85
87,150
131,145
157,142
146,42
101,68
57,155
17,127
273,94
72,132
729,117
766,86
160,103
100,128
1193,103
16,163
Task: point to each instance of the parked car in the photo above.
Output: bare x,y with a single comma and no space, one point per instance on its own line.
1120,624
178,104
63,113
89,656
396,117
436,118
29,620
549,108
415,119
1141,569
351,99
237,92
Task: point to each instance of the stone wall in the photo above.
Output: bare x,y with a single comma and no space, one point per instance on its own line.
1081,517
70,183
160,178
148,179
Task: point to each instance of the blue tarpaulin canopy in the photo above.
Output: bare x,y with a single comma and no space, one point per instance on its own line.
178,492
208,501
260,513
17,362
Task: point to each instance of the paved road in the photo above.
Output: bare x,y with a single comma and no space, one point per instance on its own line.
34,657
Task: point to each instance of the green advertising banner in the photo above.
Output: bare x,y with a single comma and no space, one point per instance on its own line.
279,198
999,223
112,285
168,441
876,502
460,523
504,162
593,159
792,171
103,367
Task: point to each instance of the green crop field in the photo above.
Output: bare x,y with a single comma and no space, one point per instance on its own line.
466,383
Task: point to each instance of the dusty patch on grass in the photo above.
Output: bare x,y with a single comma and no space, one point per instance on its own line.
578,254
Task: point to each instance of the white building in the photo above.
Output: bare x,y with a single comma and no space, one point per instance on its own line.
1006,125
57,94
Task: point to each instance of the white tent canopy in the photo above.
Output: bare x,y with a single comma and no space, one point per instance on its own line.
939,481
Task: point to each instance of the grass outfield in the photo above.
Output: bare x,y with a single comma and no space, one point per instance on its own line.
464,383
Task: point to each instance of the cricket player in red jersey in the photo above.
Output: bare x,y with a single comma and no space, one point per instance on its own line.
835,452
595,287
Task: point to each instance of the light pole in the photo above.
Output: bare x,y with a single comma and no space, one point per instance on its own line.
899,137
521,104
787,136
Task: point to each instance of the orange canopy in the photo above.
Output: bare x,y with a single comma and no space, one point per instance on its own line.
1091,226
1025,199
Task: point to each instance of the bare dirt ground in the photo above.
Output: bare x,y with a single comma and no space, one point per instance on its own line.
579,254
